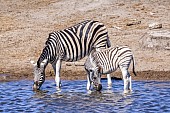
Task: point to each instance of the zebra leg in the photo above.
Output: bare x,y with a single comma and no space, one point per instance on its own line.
109,81
57,67
126,79
130,83
88,83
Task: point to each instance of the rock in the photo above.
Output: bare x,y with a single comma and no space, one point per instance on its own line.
152,13
69,63
156,39
117,27
78,63
155,25
133,23
4,77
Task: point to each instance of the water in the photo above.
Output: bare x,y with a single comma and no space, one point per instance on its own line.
147,96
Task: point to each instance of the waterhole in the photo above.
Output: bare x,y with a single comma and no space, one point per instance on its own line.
147,96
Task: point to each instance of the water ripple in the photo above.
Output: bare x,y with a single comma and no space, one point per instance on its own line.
147,96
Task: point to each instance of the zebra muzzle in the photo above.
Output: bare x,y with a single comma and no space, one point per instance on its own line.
98,87
36,86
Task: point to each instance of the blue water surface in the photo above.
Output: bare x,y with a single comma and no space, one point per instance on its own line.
146,97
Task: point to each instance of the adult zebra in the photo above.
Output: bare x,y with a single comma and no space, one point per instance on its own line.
71,44
107,61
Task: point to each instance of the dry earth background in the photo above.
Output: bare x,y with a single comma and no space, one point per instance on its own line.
26,24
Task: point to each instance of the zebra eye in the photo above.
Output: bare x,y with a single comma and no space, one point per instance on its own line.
91,70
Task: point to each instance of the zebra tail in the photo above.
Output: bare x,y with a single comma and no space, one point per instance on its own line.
108,42
133,68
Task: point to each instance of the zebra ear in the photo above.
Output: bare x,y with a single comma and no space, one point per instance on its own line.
33,63
44,62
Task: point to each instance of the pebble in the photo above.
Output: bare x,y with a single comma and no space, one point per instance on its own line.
155,25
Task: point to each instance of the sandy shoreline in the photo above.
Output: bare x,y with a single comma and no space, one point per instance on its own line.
81,75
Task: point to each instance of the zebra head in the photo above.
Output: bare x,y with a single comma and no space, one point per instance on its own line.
93,72
39,74
95,78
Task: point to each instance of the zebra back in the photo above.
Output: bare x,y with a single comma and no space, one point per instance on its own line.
75,42
110,59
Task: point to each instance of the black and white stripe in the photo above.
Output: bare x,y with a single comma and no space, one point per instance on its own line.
75,42
71,44
108,60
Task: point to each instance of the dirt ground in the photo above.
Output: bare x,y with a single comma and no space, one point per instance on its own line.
26,24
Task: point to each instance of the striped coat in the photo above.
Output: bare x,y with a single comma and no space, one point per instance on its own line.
75,42
107,61
70,44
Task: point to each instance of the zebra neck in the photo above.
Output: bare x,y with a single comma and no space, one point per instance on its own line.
40,60
43,56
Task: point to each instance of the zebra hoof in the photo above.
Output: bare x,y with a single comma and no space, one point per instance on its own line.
109,85
127,91
60,84
58,88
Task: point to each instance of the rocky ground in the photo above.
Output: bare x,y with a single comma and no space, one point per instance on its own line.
26,24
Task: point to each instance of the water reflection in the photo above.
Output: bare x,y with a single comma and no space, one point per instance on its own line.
147,96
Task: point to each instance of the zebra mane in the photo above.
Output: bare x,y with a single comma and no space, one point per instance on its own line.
94,50
43,62
38,63
42,56
47,41
92,57
92,61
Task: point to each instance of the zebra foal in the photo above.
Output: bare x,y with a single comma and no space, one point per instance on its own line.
107,61
71,44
